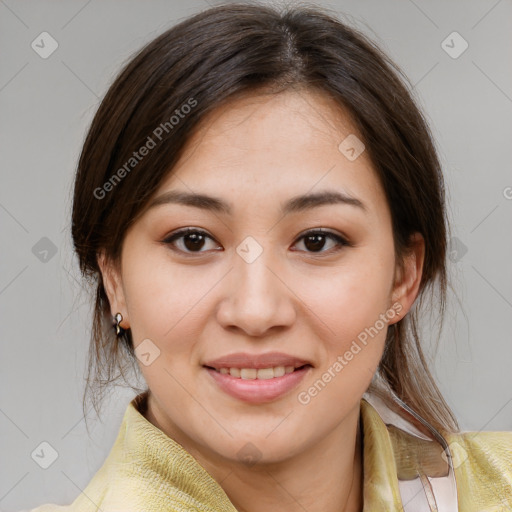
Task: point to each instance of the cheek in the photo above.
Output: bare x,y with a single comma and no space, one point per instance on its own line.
355,315
351,298
164,306
165,301
352,305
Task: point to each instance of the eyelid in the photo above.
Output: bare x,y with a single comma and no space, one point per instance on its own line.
168,239
341,239
184,231
324,231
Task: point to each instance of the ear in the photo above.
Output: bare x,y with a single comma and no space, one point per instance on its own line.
113,284
408,276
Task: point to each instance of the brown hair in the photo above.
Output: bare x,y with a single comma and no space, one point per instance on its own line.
237,49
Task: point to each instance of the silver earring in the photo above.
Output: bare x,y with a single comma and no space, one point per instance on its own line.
118,319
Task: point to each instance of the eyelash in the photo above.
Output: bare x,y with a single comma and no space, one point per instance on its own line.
341,242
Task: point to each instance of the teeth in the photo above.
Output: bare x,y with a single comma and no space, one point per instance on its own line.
279,371
248,373
264,373
253,373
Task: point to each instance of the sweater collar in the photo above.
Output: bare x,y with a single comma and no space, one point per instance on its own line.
169,460
148,446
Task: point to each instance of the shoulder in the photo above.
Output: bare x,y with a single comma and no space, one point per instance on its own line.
483,468
487,450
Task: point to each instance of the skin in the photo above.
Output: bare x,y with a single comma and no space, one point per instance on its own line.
255,153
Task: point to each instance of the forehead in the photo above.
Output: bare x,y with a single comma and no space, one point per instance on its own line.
262,146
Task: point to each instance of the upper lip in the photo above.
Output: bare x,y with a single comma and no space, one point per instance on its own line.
258,361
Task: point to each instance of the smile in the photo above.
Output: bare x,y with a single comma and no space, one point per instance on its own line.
260,385
261,373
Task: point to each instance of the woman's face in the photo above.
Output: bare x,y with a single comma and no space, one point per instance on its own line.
256,277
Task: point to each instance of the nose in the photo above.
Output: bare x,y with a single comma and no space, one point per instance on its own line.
257,297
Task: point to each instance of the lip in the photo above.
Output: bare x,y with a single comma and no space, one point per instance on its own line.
258,390
258,361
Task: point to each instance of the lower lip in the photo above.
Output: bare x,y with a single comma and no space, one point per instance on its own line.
257,391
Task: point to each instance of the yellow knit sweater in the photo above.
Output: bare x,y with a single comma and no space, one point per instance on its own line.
146,471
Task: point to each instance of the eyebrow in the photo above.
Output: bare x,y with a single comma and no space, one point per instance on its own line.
295,204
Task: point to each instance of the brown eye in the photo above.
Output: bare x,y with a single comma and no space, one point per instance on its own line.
315,241
192,240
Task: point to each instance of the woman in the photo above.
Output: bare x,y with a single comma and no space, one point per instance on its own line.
261,208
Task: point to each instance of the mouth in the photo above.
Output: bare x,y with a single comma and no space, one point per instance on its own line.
272,372
257,385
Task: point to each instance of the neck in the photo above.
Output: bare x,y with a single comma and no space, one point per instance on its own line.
328,477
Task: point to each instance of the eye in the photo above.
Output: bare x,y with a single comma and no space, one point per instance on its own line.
315,241
193,240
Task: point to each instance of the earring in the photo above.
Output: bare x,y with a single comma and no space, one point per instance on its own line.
118,319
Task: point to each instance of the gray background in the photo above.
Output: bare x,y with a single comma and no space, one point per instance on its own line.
47,105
